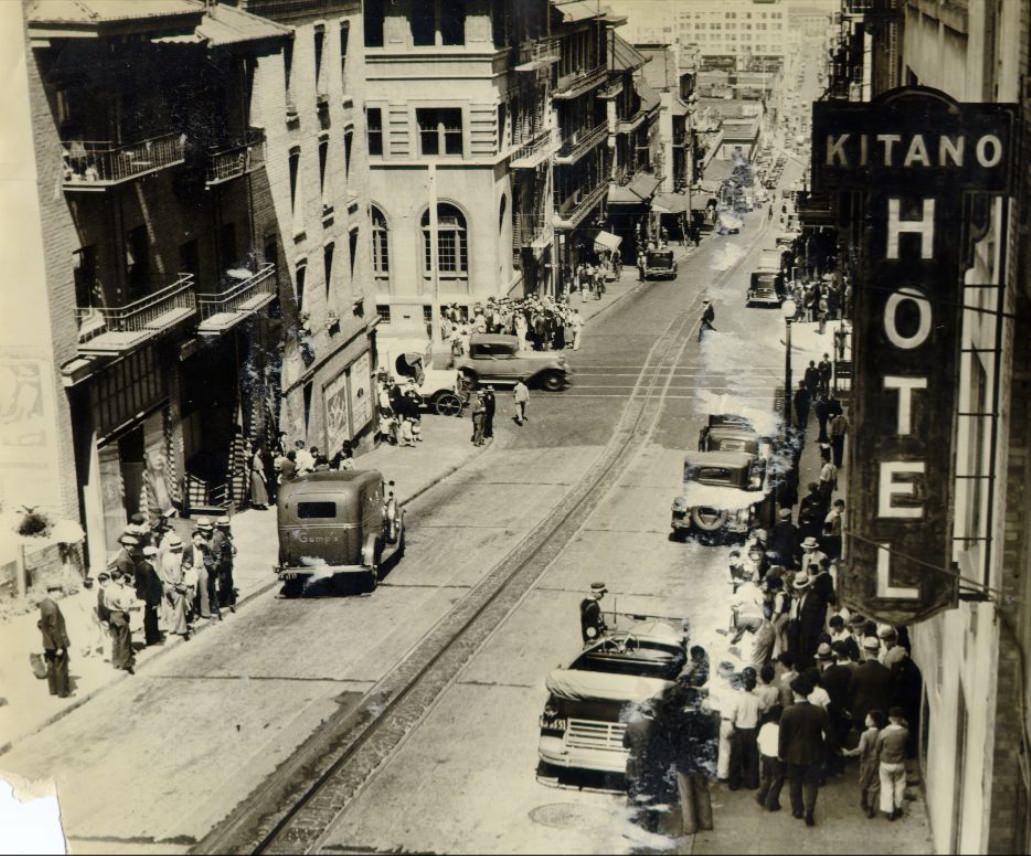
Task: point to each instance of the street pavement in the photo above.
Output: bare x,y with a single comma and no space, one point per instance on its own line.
176,747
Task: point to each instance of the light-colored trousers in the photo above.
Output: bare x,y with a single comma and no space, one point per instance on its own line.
893,786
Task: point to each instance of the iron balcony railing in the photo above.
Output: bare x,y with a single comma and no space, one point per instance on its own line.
238,297
571,210
534,53
140,314
580,142
533,151
233,161
578,82
97,164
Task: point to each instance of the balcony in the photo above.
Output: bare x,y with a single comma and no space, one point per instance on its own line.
632,123
537,53
613,89
247,293
580,142
96,165
226,163
571,211
535,151
576,83
118,330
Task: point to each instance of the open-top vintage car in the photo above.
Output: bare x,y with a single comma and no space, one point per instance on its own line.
337,523
590,700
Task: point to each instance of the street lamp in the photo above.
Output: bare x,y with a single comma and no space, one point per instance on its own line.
789,309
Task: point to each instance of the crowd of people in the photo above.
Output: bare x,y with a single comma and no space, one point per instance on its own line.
542,322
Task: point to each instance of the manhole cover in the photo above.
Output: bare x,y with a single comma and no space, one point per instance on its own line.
569,816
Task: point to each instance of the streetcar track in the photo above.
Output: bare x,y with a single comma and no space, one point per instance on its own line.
334,763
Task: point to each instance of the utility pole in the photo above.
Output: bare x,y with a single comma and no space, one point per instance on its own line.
434,260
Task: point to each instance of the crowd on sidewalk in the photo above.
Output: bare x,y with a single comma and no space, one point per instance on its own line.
802,684
542,323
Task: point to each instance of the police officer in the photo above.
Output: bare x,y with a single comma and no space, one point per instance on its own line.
592,624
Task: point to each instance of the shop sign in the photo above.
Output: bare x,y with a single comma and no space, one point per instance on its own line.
361,392
337,426
915,158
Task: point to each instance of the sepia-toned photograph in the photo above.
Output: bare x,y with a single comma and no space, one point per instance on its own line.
515,427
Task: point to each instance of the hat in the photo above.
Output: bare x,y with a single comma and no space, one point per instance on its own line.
103,575
857,620
150,551
54,586
801,580
129,540
222,521
886,631
137,519
870,643
203,523
87,582
598,588
824,652
810,543
725,669
784,514
116,574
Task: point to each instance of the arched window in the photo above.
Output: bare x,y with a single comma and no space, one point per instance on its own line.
380,244
452,242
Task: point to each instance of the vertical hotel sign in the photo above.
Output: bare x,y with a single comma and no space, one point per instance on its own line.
916,160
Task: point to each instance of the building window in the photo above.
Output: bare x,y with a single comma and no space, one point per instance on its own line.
424,25
440,130
288,61
383,311
295,167
327,264
374,13
374,122
348,148
345,35
320,40
323,162
301,275
380,244
352,246
452,22
427,313
452,242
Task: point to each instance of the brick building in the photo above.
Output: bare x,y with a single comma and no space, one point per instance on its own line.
312,208
151,286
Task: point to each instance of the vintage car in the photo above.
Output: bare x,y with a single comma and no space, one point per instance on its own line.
498,358
724,496
659,263
726,432
413,358
335,524
589,701
728,224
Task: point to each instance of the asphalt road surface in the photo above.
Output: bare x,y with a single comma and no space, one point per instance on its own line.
155,762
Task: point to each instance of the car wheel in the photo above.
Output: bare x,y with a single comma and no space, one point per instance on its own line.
708,519
553,381
447,404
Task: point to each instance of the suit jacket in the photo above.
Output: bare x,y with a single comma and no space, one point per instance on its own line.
51,625
804,732
871,689
837,680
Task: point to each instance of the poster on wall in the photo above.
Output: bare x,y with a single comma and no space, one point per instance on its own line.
28,443
112,493
155,470
361,393
334,394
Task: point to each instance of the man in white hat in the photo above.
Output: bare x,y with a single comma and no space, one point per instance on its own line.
871,683
178,593
128,556
119,600
811,553
201,558
592,623
811,611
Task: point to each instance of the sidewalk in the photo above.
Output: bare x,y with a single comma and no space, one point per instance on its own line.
25,705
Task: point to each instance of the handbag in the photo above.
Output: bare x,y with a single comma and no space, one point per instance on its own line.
39,666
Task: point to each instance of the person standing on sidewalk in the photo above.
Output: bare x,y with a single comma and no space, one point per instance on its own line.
771,769
490,406
695,736
804,739
149,590
521,396
838,429
802,402
119,600
225,550
869,766
177,594
478,412
891,752
55,643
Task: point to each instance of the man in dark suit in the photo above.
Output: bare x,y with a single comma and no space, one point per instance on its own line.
871,683
55,643
784,542
802,401
805,738
810,612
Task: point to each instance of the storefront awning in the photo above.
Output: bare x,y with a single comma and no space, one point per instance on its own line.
644,185
718,170
579,10
671,203
621,194
606,241
708,186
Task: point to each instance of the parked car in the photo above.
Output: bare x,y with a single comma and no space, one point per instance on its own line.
728,224
724,496
659,263
584,718
413,358
498,358
727,432
337,523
